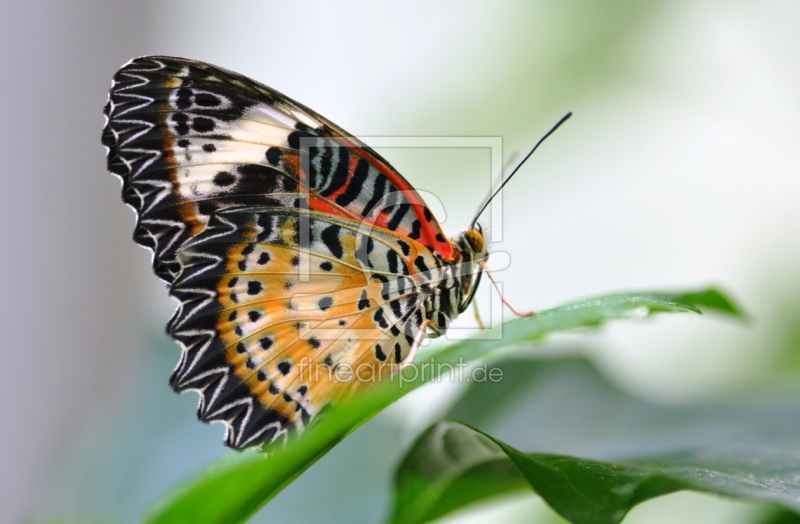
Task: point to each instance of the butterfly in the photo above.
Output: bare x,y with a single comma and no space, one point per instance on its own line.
305,267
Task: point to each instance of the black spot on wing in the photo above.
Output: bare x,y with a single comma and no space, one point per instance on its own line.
339,177
325,303
363,302
330,237
397,308
396,265
265,223
319,165
274,155
203,125
183,99
411,302
181,123
207,100
254,287
386,288
416,230
394,222
404,284
363,251
380,318
404,247
422,267
295,137
261,179
445,304
378,190
356,184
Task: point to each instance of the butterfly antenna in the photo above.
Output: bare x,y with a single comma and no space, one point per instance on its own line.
496,191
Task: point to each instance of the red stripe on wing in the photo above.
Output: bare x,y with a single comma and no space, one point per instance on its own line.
430,228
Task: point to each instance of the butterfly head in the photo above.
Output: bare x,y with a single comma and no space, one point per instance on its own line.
474,239
471,249
470,246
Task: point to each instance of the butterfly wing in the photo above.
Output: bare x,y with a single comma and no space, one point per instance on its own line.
274,326
297,254
188,138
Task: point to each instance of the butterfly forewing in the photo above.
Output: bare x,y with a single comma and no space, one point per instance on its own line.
189,138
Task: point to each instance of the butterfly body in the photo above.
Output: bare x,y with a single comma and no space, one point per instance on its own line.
297,254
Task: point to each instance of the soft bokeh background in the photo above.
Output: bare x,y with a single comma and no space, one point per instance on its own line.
680,168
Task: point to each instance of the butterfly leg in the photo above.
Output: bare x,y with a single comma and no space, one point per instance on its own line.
497,287
478,315
412,353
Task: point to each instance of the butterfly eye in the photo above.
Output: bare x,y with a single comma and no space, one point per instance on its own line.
475,240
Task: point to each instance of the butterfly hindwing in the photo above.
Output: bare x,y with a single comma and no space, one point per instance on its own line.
274,327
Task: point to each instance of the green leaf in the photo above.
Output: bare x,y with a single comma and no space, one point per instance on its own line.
235,489
710,299
451,456
746,447
447,469
781,516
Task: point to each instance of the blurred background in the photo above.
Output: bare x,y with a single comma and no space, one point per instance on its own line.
680,168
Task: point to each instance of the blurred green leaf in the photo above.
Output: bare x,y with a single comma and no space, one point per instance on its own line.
447,469
747,447
781,516
711,300
237,487
75,521
452,464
